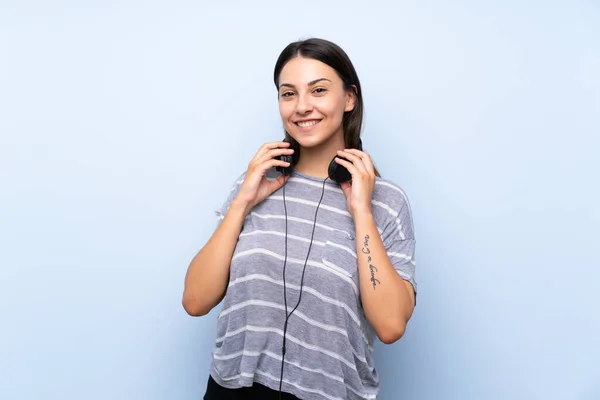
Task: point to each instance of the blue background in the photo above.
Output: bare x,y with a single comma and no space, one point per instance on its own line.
123,125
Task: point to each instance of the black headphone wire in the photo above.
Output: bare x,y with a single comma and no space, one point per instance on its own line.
283,348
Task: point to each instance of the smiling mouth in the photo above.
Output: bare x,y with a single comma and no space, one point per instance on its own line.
307,124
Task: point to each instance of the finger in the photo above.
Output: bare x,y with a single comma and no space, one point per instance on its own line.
366,158
355,160
346,188
273,162
274,153
269,146
260,169
349,166
277,183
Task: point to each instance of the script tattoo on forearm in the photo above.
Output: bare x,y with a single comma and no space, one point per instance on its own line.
372,268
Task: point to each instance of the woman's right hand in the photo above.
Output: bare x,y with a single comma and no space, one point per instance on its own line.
256,187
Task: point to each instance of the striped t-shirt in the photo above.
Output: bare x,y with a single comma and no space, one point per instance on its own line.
329,341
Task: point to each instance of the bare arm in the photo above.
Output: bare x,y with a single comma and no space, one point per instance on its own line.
388,300
208,274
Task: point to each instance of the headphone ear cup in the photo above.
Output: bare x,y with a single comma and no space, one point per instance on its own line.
287,158
285,170
338,173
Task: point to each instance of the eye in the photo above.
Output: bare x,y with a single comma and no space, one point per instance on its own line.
287,94
320,90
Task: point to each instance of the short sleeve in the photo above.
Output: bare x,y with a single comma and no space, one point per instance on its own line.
233,191
399,241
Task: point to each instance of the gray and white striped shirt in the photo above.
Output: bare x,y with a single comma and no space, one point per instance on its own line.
329,342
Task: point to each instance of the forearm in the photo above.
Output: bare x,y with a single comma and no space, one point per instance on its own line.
208,273
386,298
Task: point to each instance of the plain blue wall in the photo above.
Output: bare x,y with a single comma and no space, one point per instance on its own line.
123,125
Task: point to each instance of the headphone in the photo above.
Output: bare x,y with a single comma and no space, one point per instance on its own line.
337,173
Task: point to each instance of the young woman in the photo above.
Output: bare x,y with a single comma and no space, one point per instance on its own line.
311,266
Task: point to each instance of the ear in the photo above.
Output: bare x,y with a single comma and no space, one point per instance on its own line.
351,99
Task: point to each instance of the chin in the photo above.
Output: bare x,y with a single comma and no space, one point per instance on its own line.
310,140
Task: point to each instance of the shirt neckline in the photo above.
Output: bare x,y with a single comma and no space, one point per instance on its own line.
313,178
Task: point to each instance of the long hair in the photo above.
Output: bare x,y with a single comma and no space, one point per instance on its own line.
334,56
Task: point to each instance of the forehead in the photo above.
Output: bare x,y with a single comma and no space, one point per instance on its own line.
300,70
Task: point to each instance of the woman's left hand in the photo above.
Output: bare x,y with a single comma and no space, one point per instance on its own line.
360,191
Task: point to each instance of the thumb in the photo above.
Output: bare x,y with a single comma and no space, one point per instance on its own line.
346,188
277,183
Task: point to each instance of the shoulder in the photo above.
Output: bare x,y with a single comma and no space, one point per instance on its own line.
391,209
270,174
235,185
239,180
234,188
390,194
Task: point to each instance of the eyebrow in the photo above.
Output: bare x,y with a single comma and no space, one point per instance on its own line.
309,83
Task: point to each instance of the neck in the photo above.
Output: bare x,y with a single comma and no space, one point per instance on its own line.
314,161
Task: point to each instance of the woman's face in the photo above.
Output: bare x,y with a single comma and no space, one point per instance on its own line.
312,101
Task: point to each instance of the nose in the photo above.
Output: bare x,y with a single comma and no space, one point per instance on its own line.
304,105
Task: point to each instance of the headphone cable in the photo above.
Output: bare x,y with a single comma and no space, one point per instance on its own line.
283,348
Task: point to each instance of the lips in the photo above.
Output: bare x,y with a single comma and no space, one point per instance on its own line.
307,124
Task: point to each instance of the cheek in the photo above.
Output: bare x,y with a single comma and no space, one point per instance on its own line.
334,109
286,110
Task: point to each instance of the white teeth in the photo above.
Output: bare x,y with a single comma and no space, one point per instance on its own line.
305,124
